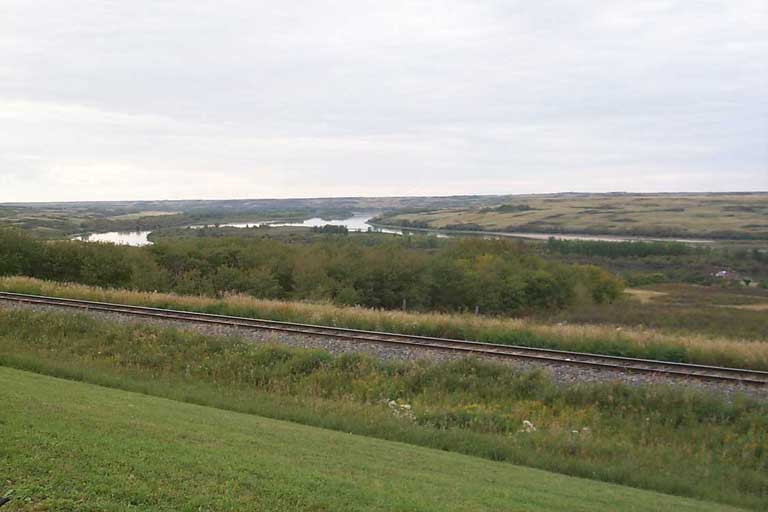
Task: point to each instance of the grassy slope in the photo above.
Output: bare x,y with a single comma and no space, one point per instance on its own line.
652,215
74,446
664,440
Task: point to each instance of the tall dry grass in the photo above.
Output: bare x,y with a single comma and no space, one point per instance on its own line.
606,339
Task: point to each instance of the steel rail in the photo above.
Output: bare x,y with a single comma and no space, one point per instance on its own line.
542,355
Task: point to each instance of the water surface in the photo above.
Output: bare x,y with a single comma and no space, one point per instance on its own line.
134,238
360,223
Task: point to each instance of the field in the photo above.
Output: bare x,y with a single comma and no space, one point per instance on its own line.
74,446
738,216
712,311
659,438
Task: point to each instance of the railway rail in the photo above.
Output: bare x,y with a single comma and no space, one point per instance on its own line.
540,355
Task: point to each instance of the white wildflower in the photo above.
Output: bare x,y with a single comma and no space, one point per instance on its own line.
401,410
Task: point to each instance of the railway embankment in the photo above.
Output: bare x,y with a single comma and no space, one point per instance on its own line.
565,372
682,441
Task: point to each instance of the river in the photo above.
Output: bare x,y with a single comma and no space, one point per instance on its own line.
359,223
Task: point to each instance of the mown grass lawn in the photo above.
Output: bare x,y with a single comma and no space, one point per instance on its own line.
79,447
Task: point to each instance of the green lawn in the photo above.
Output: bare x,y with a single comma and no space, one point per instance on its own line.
74,446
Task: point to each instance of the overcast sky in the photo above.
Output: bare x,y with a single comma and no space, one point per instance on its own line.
174,99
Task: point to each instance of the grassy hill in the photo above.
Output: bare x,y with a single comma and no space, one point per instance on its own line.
655,215
74,446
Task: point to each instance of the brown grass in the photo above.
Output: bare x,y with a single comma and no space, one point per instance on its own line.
749,307
691,215
644,296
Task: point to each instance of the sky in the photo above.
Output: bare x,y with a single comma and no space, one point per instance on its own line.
184,99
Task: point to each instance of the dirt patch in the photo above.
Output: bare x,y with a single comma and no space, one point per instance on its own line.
644,296
750,307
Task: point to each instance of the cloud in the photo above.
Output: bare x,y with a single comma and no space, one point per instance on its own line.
116,100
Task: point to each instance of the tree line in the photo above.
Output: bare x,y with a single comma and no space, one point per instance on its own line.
490,276
617,249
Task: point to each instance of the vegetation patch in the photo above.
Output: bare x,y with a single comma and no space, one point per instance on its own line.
74,446
732,265
650,215
461,275
704,324
665,439
558,332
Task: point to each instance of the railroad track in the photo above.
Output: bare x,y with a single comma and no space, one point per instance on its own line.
540,355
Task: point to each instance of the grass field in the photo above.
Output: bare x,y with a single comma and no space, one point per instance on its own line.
70,446
737,337
714,311
654,215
